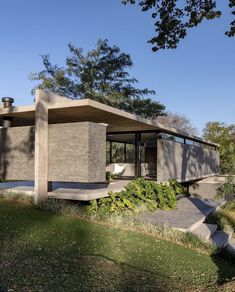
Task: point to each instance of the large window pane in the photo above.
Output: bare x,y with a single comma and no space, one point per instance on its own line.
118,152
120,148
148,153
130,153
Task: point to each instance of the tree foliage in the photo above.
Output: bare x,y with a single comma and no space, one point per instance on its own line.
101,74
225,136
178,122
172,18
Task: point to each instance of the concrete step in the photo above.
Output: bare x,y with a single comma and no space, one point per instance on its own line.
198,205
189,214
221,238
207,188
220,204
205,231
209,206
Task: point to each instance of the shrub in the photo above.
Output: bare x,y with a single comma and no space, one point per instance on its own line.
224,217
16,196
177,187
227,190
138,193
60,207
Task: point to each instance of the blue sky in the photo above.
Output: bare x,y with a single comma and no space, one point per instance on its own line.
197,79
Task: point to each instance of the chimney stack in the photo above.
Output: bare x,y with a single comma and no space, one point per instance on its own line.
7,103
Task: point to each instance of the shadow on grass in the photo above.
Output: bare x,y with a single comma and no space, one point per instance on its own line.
44,252
226,274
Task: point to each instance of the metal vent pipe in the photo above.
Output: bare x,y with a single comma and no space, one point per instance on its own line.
7,103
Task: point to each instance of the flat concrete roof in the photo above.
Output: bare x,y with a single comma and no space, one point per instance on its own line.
65,110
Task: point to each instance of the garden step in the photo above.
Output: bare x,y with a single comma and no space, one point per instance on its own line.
221,238
220,203
205,231
189,214
207,188
210,206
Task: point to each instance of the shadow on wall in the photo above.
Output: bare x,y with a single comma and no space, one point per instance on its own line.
15,153
4,157
187,162
192,162
27,146
17,147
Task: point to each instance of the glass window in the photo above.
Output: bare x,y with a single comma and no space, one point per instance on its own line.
188,142
168,137
118,152
179,140
149,155
120,148
172,138
197,144
130,153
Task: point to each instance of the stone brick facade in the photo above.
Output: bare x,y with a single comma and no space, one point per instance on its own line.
17,153
77,152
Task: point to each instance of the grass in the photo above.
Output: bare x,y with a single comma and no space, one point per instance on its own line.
125,220
225,217
41,251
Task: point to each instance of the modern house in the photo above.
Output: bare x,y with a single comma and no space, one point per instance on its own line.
58,139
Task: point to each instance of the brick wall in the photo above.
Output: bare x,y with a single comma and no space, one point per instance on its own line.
17,153
77,152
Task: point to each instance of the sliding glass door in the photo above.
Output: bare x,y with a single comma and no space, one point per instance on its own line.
135,151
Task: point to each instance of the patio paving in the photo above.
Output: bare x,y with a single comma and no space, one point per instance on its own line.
69,191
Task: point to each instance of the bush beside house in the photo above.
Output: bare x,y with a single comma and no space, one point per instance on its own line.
138,193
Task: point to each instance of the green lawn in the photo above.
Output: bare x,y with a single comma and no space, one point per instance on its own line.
45,252
225,217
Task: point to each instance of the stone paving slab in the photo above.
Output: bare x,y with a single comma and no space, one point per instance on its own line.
205,231
69,191
189,214
208,187
221,238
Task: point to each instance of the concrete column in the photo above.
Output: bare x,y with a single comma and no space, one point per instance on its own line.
6,122
49,186
41,147
137,155
160,162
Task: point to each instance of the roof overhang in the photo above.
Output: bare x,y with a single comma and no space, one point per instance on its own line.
68,111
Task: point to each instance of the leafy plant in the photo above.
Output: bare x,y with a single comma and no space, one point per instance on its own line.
109,176
138,193
227,190
177,187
